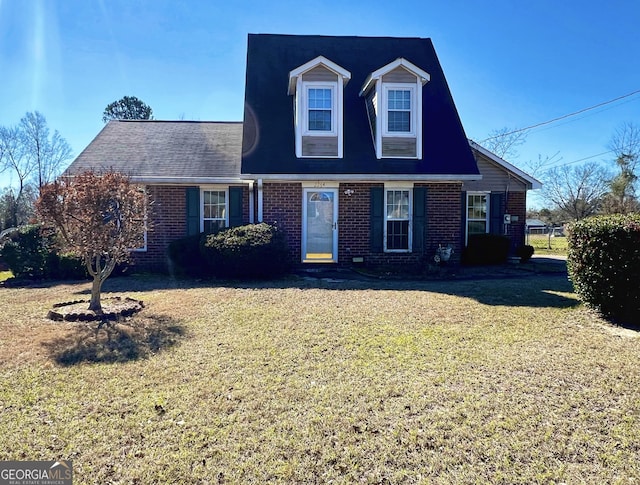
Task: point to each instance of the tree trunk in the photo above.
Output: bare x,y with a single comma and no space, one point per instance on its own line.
100,274
96,289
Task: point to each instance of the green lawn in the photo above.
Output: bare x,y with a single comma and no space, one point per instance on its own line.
311,381
541,243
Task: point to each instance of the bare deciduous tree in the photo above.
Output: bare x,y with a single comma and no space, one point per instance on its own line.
504,143
99,218
576,191
32,156
47,154
13,157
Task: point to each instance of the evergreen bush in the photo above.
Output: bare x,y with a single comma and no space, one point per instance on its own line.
186,258
251,251
604,265
525,252
31,254
486,249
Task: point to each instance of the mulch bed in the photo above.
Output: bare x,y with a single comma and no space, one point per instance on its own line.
113,309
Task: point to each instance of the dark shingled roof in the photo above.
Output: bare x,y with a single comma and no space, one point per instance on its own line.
269,136
165,151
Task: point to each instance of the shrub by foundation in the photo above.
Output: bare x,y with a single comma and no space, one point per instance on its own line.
525,252
186,257
486,249
251,251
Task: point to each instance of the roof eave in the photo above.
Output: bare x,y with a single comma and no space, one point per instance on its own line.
376,177
168,180
320,60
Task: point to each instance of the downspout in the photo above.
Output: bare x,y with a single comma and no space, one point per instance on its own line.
251,202
259,200
506,202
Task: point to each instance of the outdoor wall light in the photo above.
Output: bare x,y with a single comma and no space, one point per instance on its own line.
349,192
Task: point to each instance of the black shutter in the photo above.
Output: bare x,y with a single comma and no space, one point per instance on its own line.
463,218
235,206
496,210
376,222
419,218
193,210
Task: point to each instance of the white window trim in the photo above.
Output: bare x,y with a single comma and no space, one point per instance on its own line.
488,213
409,189
144,247
382,118
305,108
301,115
217,188
386,87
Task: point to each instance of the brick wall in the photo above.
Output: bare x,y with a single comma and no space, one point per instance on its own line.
353,222
516,203
444,214
283,203
168,223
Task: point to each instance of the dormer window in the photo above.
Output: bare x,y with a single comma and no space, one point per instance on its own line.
393,98
317,87
400,115
320,109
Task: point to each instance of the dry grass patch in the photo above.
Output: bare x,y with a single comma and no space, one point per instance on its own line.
496,381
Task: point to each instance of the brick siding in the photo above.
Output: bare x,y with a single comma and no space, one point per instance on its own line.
283,204
516,203
168,223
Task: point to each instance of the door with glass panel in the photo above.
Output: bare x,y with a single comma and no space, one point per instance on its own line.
320,226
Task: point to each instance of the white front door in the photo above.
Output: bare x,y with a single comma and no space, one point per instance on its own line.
320,226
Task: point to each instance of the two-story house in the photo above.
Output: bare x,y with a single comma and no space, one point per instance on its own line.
352,145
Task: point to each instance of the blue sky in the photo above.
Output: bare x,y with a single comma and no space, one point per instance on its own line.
508,63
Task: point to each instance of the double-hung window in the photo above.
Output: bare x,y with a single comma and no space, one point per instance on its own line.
477,213
214,210
399,113
397,236
399,110
320,109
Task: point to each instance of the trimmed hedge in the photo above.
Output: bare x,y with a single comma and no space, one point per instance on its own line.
486,249
250,251
604,265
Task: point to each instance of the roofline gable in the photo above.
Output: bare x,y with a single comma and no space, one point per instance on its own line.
535,183
423,75
318,61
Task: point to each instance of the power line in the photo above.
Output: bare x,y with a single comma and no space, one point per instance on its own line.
519,130
582,159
